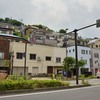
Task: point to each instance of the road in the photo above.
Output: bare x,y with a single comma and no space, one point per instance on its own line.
87,93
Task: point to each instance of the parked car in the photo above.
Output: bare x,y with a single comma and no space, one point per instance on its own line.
98,74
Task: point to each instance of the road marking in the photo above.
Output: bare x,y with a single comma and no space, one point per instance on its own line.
29,94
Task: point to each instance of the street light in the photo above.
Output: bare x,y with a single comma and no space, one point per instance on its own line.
66,39
11,61
25,53
76,53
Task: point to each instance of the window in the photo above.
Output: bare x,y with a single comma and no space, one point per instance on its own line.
58,59
96,61
86,51
83,51
89,52
69,50
96,46
81,58
32,56
86,61
48,58
96,55
1,55
19,55
92,46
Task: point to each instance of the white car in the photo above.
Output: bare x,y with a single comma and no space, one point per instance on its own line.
98,74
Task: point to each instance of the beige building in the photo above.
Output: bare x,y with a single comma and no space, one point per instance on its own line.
95,60
94,43
39,58
95,55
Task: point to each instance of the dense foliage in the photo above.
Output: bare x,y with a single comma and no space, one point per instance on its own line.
29,84
62,31
11,21
69,63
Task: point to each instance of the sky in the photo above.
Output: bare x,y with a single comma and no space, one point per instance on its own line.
55,14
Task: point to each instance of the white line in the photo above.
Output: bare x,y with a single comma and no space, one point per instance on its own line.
29,94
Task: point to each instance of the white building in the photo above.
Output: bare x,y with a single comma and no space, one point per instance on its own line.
83,54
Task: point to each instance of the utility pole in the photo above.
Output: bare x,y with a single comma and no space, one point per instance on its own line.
25,60
66,54
76,55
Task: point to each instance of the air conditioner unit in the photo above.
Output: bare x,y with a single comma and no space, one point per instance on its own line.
38,58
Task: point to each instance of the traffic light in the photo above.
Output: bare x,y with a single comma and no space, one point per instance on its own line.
98,23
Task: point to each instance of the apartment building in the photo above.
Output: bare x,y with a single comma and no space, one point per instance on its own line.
95,55
39,58
83,54
95,60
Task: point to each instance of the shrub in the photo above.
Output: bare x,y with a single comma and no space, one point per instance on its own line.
85,82
92,76
29,84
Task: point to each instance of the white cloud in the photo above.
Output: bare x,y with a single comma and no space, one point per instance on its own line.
54,11
89,4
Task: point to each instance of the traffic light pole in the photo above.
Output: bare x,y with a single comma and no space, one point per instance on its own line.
76,53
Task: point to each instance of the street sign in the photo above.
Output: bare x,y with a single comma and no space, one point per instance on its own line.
98,23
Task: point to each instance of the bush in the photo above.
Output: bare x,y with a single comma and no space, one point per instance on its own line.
92,76
85,82
16,77
29,84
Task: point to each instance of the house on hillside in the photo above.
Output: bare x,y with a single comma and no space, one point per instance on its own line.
6,30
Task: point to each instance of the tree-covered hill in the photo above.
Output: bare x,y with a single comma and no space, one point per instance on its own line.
11,21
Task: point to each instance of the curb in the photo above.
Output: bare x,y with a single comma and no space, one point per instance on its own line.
7,92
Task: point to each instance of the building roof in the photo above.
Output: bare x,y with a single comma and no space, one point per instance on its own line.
4,28
93,41
13,36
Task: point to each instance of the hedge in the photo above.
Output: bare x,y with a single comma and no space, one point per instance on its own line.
30,84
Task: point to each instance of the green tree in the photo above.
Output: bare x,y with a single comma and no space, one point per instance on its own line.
7,20
69,64
81,63
62,31
13,21
1,20
17,34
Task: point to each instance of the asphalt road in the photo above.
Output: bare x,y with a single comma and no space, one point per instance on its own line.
87,93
